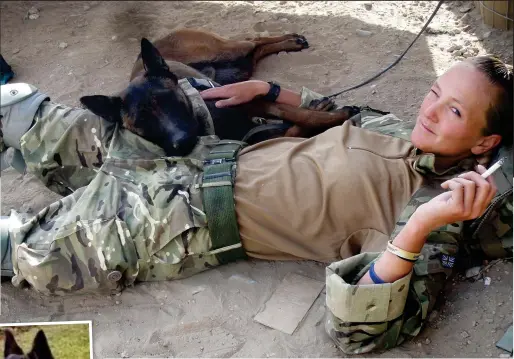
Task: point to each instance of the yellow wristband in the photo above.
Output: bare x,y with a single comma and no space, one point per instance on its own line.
408,256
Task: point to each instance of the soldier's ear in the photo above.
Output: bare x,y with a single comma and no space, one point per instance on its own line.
11,347
107,107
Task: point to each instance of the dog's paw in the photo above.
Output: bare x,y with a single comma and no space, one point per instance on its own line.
322,104
301,40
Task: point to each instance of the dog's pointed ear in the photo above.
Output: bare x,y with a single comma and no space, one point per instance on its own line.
11,347
108,107
40,347
153,62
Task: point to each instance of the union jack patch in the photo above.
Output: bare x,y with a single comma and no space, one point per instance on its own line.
447,261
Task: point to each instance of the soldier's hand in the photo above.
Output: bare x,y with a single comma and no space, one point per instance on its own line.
236,94
467,198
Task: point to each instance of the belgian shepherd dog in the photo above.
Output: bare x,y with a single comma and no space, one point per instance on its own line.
155,107
40,348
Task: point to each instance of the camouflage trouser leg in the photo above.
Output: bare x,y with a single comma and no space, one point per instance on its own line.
133,215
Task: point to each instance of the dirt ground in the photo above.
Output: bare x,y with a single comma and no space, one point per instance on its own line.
79,48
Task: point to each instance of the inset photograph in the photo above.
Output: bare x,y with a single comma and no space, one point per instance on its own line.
49,340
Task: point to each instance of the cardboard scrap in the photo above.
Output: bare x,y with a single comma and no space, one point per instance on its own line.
505,342
290,303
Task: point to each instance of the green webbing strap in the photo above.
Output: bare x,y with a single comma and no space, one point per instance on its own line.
218,200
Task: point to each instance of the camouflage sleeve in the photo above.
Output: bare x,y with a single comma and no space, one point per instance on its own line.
307,96
364,318
368,118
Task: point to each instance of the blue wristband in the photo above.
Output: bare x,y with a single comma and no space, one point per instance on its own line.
374,277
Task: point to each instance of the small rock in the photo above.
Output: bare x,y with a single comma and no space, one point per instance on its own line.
464,334
118,302
469,342
487,281
374,92
33,16
283,19
33,10
475,323
114,38
486,35
63,45
427,341
419,345
453,48
15,51
422,4
456,31
363,33
86,7
368,6
500,304
506,272
124,355
471,272
489,320
466,8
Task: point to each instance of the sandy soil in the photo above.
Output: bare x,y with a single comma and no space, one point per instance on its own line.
210,315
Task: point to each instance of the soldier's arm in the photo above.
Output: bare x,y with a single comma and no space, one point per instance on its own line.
366,314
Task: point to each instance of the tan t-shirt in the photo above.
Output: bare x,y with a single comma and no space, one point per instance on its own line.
324,198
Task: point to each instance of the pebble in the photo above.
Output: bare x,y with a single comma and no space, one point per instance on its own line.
63,45
368,6
486,35
487,281
363,33
118,302
475,323
466,8
86,7
453,48
464,334
33,10
114,38
33,16
469,342
427,341
471,272
489,320
124,355
419,345
15,51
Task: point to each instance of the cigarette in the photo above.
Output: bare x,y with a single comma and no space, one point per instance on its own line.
493,168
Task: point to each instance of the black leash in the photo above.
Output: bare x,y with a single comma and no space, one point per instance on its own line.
397,60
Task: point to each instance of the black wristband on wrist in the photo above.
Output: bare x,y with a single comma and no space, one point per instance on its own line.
273,92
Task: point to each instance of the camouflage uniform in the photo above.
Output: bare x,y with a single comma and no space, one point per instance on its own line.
133,214
138,215
361,318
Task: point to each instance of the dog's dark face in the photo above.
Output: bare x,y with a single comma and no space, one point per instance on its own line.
152,106
40,348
